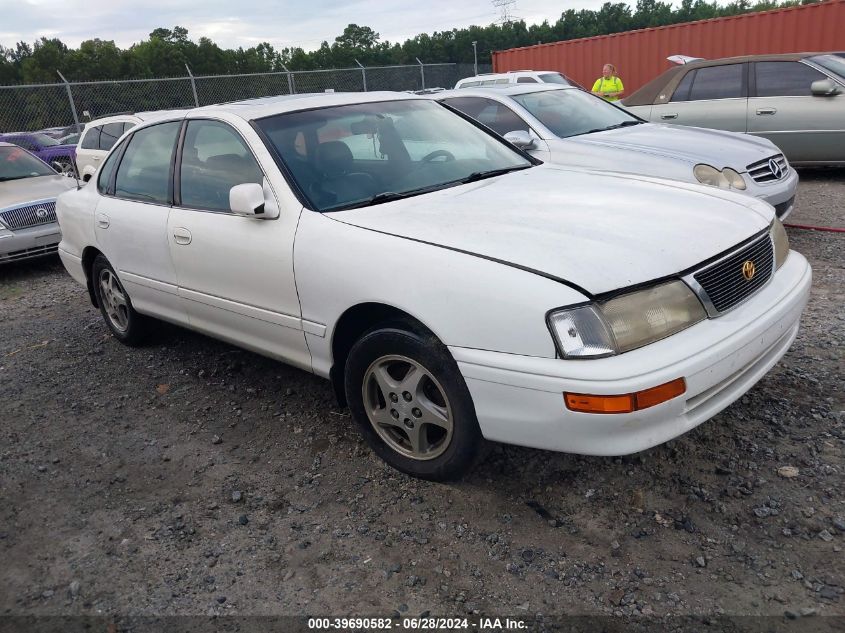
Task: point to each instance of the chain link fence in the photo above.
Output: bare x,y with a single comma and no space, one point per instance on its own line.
27,108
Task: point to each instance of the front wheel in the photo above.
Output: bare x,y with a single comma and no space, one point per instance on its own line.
411,403
125,323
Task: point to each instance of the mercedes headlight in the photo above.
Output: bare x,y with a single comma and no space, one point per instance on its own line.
727,178
625,322
780,242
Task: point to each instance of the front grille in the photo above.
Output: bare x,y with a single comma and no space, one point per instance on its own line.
725,283
762,171
31,215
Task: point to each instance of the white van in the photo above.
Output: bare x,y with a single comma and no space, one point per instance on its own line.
518,77
100,135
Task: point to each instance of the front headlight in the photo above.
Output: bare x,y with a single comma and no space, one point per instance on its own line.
725,179
780,242
626,322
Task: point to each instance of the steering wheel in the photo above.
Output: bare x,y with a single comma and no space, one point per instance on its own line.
449,156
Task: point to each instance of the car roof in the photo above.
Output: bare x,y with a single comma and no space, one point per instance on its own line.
268,106
502,90
650,92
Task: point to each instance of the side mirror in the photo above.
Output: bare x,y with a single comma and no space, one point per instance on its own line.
249,200
824,88
521,139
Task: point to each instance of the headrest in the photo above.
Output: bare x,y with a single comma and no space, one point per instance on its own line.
334,158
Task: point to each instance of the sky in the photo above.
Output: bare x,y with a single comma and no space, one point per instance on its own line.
246,23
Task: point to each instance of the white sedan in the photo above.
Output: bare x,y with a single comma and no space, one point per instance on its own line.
386,243
567,126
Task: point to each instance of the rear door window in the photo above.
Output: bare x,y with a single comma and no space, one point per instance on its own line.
144,172
785,79
91,140
682,91
527,80
717,82
109,135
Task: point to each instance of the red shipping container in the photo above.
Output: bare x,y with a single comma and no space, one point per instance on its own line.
640,56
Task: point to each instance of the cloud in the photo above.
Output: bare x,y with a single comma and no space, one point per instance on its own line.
280,22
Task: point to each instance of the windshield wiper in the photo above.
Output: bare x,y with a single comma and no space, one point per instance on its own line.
481,175
613,127
384,196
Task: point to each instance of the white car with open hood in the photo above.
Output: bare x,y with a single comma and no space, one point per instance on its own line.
451,288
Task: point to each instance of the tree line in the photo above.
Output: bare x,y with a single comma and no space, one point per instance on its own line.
166,52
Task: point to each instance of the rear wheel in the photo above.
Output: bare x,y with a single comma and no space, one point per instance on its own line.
125,323
411,403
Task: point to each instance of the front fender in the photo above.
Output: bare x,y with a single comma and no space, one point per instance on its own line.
466,300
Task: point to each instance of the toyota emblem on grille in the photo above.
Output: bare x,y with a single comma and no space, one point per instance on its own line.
777,172
748,270
41,213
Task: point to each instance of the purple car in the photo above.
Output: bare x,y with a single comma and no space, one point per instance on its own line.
47,149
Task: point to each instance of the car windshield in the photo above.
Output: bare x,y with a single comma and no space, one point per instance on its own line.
554,78
573,112
833,63
16,163
43,140
359,155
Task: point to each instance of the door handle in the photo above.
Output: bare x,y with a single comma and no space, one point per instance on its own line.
673,115
96,158
181,235
102,220
766,110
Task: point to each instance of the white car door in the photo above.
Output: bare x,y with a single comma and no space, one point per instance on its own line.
131,219
235,273
712,96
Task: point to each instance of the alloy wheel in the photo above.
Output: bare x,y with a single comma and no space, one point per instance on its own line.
407,407
114,300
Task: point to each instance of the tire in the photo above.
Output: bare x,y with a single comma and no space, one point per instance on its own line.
432,433
127,326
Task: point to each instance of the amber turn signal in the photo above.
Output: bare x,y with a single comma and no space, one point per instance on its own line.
625,403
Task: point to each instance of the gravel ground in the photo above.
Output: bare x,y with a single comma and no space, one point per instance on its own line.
189,477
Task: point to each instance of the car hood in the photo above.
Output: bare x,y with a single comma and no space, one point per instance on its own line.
18,192
597,230
693,145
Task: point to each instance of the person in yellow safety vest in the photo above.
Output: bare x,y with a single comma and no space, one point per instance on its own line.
608,86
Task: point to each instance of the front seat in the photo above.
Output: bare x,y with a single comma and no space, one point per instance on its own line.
334,159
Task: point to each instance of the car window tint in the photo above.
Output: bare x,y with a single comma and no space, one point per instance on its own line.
214,159
128,126
554,78
109,135
91,140
785,79
682,91
493,114
144,172
527,80
717,82
106,171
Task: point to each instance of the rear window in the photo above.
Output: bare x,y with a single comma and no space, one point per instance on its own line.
553,78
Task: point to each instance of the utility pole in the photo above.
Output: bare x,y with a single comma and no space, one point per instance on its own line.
475,56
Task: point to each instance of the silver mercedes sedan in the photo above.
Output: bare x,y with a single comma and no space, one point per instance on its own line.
795,100
28,191
567,126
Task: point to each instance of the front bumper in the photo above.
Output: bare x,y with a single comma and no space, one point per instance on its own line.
780,194
27,243
519,399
